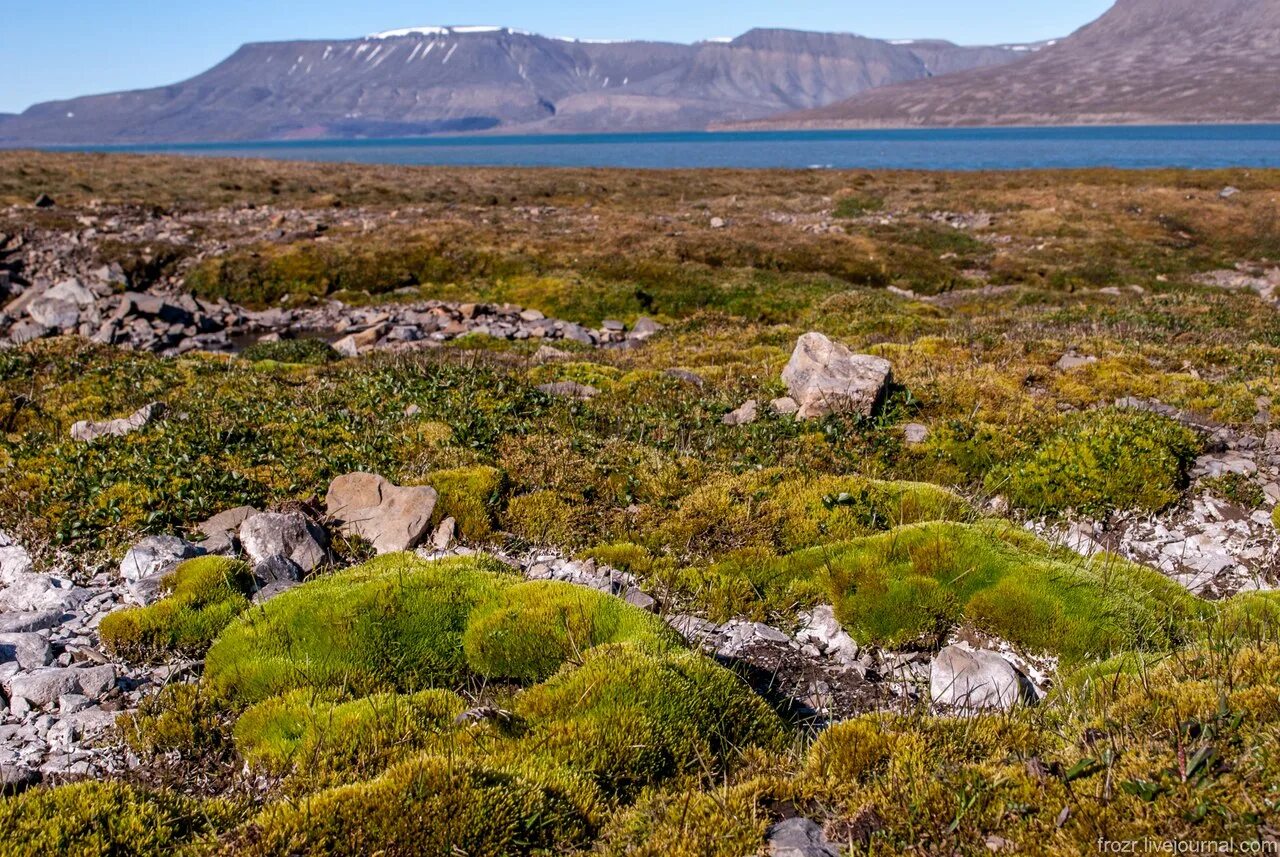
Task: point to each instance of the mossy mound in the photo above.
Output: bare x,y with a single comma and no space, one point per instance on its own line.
203,596
529,630
392,625
300,733
433,805
914,584
1102,460
93,819
631,719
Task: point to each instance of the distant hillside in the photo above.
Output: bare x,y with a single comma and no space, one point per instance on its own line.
1144,61
440,79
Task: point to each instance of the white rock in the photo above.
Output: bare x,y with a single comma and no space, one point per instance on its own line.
15,562
156,555
825,377
974,680
290,535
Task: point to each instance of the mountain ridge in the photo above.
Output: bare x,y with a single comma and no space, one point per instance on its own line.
1143,61
473,79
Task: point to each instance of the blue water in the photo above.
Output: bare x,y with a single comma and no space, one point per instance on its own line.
1197,146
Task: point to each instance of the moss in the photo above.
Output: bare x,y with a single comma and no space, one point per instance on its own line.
856,205
545,518
203,596
180,719
310,736
689,821
93,819
913,584
849,752
529,630
469,495
1101,461
292,351
629,719
432,805
392,625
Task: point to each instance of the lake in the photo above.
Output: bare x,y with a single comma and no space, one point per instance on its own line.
1130,147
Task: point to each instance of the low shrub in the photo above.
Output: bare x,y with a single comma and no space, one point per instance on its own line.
1102,461
204,595
300,351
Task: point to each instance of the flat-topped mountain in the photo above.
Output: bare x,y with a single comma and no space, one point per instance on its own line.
448,79
1144,61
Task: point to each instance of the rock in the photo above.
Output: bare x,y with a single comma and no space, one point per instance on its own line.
288,534
1228,192
27,330
824,378
271,590
44,201
390,517
30,650
799,837
1072,360
73,292
744,415
15,562
54,313
826,633
638,598
157,555
15,778
785,406
276,569
347,347
443,536
718,223
613,325
644,328
87,432
915,434
220,530
43,687
569,390
19,622
548,354
40,592
686,376
975,680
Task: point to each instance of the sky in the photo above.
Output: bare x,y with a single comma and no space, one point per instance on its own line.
53,49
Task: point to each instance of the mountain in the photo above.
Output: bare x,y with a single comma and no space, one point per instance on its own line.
448,79
1144,61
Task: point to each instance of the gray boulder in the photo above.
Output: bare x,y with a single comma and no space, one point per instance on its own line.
29,650
799,837
14,559
291,535
569,390
54,313
43,687
21,621
744,415
40,592
390,517
975,680
220,530
87,431
157,555
825,377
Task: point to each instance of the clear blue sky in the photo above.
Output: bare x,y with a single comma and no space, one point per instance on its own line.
63,48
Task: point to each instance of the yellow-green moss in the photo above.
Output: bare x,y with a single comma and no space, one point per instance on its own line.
96,819
545,518
203,596
469,495
529,630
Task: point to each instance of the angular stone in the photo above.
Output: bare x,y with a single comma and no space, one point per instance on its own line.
87,431
30,650
389,517
220,530
915,434
799,837
290,535
644,328
975,680
784,406
54,313
43,687
18,622
276,569
27,330
157,555
825,377
38,592
15,562
443,536
744,415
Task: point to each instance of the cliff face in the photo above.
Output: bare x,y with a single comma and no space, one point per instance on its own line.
460,79
1143,61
